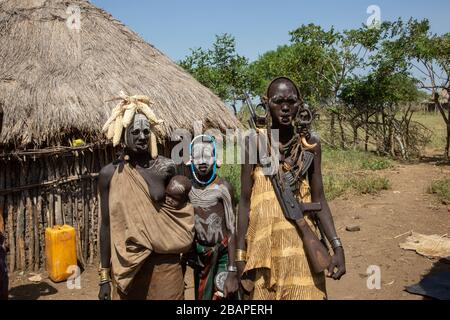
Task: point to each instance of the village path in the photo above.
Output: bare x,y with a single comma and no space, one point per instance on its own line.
383,219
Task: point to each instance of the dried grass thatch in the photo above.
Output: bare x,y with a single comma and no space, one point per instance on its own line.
54,80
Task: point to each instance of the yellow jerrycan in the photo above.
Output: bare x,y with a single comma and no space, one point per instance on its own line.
60,252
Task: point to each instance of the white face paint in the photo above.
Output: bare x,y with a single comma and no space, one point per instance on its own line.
203,157
138,133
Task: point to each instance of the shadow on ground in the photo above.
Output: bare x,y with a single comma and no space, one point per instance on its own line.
435,284
438,160
31,291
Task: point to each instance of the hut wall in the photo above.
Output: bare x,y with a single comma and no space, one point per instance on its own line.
43,188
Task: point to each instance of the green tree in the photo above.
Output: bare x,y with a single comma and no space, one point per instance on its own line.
220,68
413,48
380,104
319,61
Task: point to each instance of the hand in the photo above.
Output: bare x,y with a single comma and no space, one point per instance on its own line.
231,284
240,266
338,263
105,291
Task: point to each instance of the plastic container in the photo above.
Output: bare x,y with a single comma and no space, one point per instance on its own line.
60,252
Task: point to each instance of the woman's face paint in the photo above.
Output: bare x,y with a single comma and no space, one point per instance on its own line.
203,157
137,134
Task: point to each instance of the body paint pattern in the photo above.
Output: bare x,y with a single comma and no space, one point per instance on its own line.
214,231
210,196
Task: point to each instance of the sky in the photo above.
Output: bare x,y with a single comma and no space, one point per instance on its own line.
176,26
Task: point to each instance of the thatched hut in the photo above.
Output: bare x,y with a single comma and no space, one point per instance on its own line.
58,66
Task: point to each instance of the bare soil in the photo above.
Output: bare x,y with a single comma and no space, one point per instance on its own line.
384,221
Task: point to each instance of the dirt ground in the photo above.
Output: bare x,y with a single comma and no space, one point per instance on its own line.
383,219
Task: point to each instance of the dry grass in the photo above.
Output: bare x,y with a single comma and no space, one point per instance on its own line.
54,81
436,124
441,188
344,172
353,172
432,121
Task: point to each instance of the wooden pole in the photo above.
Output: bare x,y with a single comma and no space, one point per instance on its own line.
51,203
10,219
37,230
92,226
58,205
29,218
20,218
65,191
101,165
2,198
85,213
70,208
76,211
42,213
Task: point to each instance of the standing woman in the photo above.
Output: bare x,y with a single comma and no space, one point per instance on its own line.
141,234
270,255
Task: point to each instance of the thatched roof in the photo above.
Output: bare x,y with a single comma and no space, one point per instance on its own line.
54,80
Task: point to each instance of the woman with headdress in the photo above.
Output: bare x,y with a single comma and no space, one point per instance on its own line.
142,234
270,254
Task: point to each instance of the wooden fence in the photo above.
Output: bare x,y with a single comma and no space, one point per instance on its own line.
41,188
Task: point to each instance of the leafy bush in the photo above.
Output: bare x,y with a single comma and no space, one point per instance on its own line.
376,164
441,188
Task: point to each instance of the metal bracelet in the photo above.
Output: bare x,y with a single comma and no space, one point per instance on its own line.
104,274
232,269
241,255
104,282
335,243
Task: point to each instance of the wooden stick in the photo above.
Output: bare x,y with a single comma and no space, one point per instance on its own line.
35,221
76,214
10,222
2,198
91,212
91,230
55,182
65,191
51,203
41,215
85,215
47,152
70,205
57,196
29,219
403,234
37,233
98,216
21,223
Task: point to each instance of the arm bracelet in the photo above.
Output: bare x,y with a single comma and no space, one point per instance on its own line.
104,274
232,269
240,255
335,243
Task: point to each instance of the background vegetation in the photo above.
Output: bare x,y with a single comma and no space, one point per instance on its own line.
371,89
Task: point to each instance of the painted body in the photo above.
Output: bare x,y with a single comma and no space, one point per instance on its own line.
283,103
156,172
212,198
